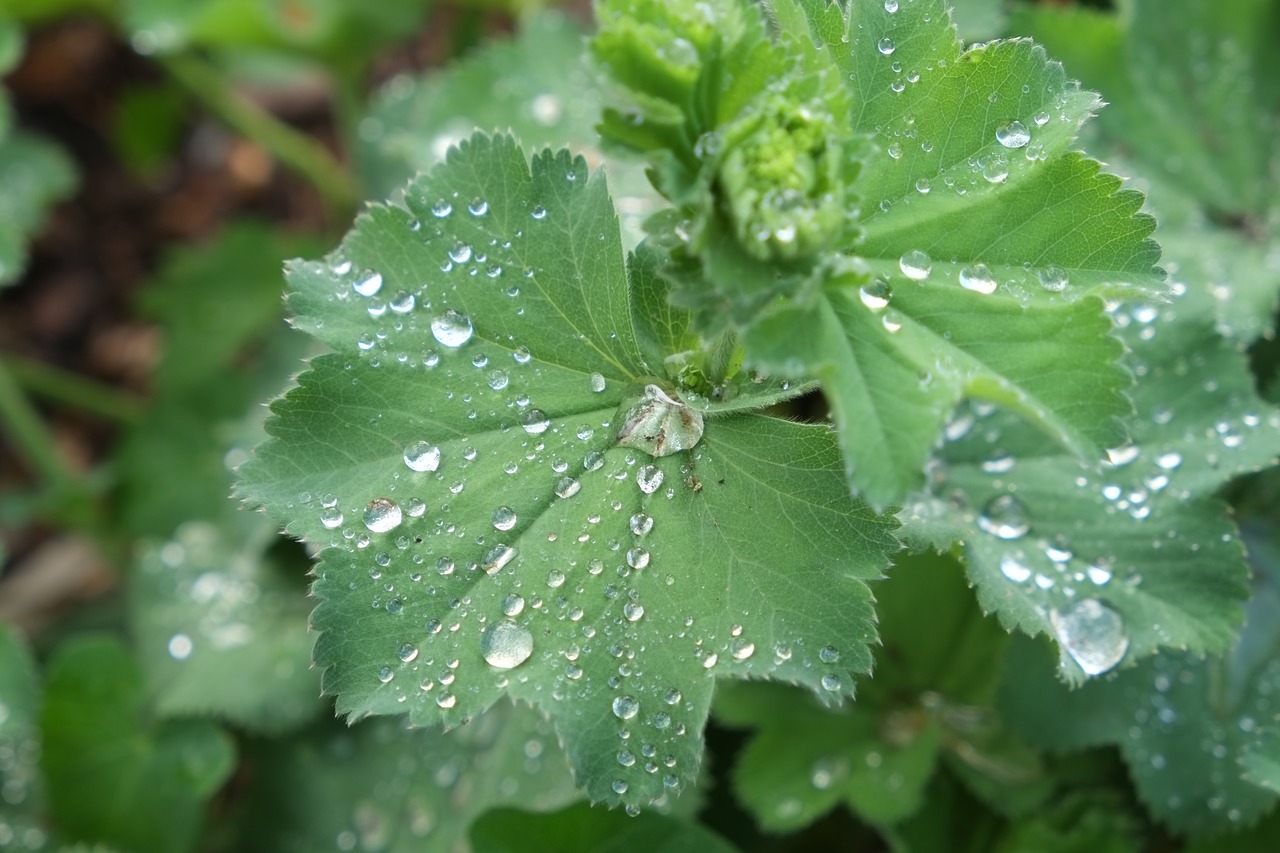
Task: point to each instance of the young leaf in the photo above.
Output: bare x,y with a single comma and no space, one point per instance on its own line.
483,530
221,630
378,786
581,829
1118,559
35,174
113,775
985,246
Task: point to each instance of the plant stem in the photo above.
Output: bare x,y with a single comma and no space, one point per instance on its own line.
62,386
292,148
723,357
27,433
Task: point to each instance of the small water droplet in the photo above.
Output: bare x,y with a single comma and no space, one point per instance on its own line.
1005,517
497,557
446,700
830,682
506,644
422,456
829,654
1013,135
460,253
649,478
915,265
597,383
1053,279
625,707
978,278
382,515
891,6
1169,461
641,524
331,517
452,328
886,46
408,653
875,295
638,558
535,422
478,207
632,611
742,649
504,518
513,604
180,647
1013,568
441,209
539,212
1092,633
368,283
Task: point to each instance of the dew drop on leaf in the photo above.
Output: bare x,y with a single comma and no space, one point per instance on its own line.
891,6
441,209
1005,517
875,295
497,557
625,707
1053,279
567,487
829,654
382,515
1169,461
632,611
504,518
513,604
886,46
452,328
331,517
649,478
597,383
506,645
978,278
1012,567
422,456
1013,135
915,265
742,649
1092,633
535,422
368,283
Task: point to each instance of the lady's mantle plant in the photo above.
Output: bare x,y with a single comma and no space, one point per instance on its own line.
534,465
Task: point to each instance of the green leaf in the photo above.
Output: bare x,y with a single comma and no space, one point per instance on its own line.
113,775
1262,763
470,434
1114,560
535,86
19,742
1184,724
35,175
985,245
378,786
222,630
1209,68
926,704
582,829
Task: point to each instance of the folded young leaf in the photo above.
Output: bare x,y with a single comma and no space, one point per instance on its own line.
509,499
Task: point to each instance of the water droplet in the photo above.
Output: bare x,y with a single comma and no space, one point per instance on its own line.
1122,456
506,645
641,524
478,207
1013,568
658,423
331,517
1053,279
408,653
1092,633
504,518
632,611
891,6
625,707
441,209
460,253
497,557
978,278
382,515
638,558
916,265
513,604
368,283
649,478
535,422
452,328
1099,573
830,683
386,674
875,295
446,700
422,456
180,647
597,383
1005,517
923,186
886,46
1013,135
1169,461
539,212
742,649
995,170
829,654
672,697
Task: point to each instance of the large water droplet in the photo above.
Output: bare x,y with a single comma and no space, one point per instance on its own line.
978,278
886,46
649,478
915,265
382,515
504,518
506,645
497,557
452,328
625,707
535,422
1013,135
1092,633
1005,517
658,423
1053,279
1014,569
513,604
875,295
422,456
